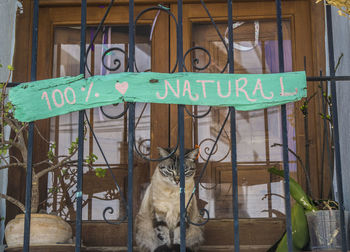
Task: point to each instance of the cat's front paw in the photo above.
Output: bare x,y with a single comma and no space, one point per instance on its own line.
162,234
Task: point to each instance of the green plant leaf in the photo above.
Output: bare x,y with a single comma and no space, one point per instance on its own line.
100,173
73,146
296,191
11,68
300,232
91,158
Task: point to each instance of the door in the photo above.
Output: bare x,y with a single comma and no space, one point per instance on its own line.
260,206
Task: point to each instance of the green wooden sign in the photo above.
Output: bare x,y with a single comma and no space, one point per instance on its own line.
48,98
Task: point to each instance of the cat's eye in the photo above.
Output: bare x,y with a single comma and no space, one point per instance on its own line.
189,172
165,171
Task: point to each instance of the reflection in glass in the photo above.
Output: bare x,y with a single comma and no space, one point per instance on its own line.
99,191
255,51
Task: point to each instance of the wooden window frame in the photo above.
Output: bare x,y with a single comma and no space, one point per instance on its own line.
314,28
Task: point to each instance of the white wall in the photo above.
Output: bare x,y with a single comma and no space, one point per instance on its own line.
7,40
341,39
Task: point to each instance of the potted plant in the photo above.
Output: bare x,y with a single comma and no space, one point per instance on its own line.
45,228
314,222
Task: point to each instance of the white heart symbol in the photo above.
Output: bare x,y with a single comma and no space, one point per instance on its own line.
122,87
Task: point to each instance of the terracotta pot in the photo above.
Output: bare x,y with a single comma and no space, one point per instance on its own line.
44,229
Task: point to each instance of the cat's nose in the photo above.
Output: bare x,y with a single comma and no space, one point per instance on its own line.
177,180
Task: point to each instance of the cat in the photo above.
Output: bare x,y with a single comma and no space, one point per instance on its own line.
158,220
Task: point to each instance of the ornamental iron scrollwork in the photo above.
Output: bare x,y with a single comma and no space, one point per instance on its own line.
196,65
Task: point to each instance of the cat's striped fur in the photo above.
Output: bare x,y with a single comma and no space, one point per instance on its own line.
157,222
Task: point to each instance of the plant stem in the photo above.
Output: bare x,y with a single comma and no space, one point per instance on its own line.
12,165
13,201
308,183
35,194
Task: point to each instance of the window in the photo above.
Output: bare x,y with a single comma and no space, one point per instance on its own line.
255,51
107,55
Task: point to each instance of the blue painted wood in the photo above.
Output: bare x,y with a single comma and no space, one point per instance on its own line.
47,98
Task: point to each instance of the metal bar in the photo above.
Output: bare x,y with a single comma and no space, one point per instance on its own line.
179,36
308,78
34,41
181,135
284,131
324,137
131,36
26,241
307,142
131,139
131,129
234,178
181,130
11,84
233,133
83,36
336,128
326,142
328,78
79,193
326,148
230,36
28,199
280,36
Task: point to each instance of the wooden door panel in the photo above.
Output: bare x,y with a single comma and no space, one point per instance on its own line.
160,127
252,232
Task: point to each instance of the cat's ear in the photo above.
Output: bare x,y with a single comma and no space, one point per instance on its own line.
193,154
162,152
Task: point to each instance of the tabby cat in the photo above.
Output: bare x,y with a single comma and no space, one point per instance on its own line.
158,220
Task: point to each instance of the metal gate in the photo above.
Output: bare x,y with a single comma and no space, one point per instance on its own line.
181,110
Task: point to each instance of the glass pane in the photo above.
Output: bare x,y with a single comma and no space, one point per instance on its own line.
255,51
98,192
